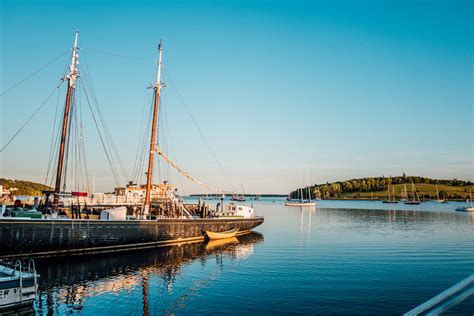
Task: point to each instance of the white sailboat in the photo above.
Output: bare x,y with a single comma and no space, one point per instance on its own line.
416,199
301,201
390,200
469,208
437,197
404,194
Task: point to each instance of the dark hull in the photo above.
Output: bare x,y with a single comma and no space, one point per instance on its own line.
36,238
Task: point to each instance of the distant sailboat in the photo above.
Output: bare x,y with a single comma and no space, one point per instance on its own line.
390,200
301,201
239,197
416,199
437,197
469,208
404,194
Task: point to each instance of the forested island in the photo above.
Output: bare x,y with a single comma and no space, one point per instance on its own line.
22,187
363,188
376,188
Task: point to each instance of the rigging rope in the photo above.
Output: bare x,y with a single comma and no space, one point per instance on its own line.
193,119
33,73
184,173
117,55
111,164
110,142
30,118
50,159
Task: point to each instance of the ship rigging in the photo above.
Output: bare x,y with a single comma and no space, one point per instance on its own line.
161,218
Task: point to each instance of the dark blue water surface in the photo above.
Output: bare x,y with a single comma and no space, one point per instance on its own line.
322,260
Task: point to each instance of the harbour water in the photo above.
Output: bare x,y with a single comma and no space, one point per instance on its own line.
343,257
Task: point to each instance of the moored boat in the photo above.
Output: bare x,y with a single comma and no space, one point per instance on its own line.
238,198
416,199
301,201
392,199
222,235
469,208
465,209
157,222
18,285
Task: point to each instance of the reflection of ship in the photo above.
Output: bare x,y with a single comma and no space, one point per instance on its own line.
80,277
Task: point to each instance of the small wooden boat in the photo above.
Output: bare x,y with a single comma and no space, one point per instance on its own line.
221,235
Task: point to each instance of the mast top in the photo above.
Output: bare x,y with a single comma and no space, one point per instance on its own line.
75,40
158,75
72,67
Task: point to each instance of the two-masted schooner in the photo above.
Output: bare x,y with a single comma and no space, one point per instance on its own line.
116,229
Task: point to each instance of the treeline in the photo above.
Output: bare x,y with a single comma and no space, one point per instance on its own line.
21,187
375,184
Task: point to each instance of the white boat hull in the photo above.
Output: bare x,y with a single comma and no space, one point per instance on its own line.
300,203
12,297
465,209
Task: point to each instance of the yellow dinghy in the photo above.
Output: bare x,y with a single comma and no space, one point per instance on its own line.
227,234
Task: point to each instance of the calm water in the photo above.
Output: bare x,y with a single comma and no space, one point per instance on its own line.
317,261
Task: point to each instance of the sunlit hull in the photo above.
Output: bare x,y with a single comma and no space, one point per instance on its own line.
36,237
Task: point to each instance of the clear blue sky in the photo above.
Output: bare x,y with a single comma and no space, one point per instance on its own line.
344,88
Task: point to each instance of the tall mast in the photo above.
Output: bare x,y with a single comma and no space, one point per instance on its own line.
149,174
301,185
71,79
309,190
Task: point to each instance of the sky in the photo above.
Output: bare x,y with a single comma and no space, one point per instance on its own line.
329,90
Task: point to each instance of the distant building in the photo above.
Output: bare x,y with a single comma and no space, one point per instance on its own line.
132,194
4,191
133,191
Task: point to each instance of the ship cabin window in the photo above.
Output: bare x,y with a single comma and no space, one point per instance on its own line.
240,208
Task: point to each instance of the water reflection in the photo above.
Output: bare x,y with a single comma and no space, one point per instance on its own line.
70,282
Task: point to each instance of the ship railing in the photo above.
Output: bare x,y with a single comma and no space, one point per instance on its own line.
181,208
446,299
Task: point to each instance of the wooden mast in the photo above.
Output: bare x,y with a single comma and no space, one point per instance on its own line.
149,174
71,79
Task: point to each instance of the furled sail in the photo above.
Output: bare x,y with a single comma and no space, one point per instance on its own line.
184,173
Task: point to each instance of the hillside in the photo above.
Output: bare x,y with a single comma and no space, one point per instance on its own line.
368,188
24,187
